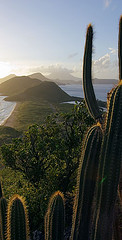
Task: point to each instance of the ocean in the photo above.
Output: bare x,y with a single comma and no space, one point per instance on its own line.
76,90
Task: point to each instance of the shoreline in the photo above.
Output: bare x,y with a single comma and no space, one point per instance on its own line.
9,121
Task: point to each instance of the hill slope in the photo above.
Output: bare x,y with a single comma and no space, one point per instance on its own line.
7,78
17,84
48,91
38,76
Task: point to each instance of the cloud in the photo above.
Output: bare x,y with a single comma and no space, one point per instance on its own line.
21,69
106,66
107,3
72,55
56,68
102,61
112,50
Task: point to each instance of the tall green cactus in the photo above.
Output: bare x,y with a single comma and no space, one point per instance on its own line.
86,182
17,219
54,219
89,95
88,167
3,212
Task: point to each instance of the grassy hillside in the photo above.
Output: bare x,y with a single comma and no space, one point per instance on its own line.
48,91
17,85
32,112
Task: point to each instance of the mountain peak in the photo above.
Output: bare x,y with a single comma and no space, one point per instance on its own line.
38,75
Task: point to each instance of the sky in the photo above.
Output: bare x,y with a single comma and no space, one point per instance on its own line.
49,36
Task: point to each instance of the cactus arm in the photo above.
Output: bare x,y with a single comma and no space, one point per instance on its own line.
17,219
86,182
54,218
120,48
89,94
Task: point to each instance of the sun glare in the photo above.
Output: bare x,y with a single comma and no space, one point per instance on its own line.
5,69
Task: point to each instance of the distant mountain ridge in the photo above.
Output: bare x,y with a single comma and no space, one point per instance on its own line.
61,79
104,81
39,76
69,79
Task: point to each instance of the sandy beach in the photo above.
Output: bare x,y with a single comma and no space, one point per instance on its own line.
11,119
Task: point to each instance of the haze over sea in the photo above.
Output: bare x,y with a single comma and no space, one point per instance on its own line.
76,90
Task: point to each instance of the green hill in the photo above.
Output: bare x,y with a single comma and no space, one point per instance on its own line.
48,91
17,85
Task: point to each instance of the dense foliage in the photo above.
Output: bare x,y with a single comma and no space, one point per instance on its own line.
47,158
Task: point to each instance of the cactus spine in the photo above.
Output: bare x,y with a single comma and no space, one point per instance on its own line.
54,219
17,219
86,182
3,212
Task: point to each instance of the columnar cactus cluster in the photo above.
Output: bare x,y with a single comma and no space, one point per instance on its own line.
109,157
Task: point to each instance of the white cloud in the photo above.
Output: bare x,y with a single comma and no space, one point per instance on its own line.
55,68
112,50
20,69
107,3
102,61
106,66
